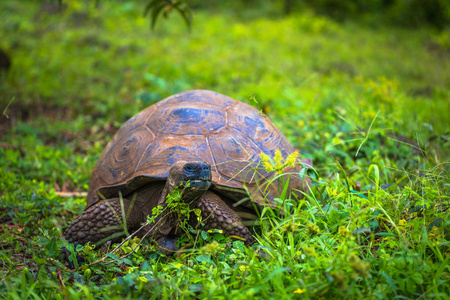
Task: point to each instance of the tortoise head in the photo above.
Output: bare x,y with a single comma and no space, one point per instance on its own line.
192,176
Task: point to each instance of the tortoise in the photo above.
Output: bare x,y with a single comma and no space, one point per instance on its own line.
206,144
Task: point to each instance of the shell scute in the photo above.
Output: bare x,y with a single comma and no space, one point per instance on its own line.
167,150
235,155
120,159
258,129
185,119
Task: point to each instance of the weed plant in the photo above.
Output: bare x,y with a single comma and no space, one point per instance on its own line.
369,106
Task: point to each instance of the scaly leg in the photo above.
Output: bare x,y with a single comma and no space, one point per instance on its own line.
92,225
217,215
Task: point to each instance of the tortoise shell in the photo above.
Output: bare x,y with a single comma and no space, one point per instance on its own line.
191,126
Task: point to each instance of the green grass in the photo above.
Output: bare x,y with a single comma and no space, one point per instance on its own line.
368,104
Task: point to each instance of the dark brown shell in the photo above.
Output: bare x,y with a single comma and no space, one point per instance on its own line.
191,126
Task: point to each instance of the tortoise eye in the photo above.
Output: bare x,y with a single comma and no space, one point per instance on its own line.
189,168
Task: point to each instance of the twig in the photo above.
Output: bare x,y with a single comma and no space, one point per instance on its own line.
6,108
60,277
72,194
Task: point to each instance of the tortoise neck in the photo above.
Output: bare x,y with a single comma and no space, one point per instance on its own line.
187,195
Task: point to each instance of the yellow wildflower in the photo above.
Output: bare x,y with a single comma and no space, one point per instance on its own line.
402,222
343,231
278,159
177,265
360,267
244,268
291,159
277,163
289,226
210,248
310,251
299,291
313,229
267,165
131,269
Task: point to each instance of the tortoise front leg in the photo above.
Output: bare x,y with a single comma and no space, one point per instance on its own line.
217,215
92,226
